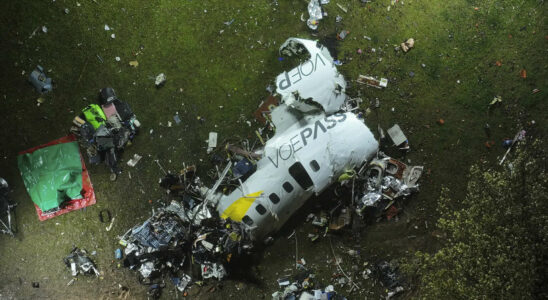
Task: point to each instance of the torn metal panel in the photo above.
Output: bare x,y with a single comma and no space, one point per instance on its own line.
315,83
194,216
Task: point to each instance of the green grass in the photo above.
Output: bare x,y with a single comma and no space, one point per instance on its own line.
232,69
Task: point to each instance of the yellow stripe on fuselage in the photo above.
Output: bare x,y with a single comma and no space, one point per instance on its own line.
236,211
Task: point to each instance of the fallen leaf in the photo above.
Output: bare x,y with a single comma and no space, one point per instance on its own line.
523,73
134,63
498,63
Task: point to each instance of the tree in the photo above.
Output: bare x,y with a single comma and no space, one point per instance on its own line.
496,242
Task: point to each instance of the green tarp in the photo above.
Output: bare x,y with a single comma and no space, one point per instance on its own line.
52,174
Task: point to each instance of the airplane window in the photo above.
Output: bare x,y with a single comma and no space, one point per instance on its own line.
315,166
246,219
274,198
298,173
260,209
288,187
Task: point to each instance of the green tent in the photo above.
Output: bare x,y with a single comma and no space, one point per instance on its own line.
52,174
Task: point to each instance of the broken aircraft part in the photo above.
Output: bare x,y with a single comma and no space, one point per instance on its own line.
315,12
386,180
299,162
41,82
315,83
372,81
397,135
79,262
317,139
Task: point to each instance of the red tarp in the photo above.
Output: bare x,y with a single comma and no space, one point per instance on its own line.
87,188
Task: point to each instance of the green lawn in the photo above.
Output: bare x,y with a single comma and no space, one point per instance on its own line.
219,72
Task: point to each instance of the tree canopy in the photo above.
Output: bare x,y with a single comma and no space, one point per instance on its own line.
496,240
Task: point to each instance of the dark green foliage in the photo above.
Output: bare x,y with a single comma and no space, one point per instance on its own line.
497,243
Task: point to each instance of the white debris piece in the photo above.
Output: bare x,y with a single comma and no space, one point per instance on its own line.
133,162
299,87
107,28
372,81
396,134
315,12
146,269
407,45
212,141
213,270
160,79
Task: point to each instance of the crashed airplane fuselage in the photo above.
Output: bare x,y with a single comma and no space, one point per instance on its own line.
315,142
302,161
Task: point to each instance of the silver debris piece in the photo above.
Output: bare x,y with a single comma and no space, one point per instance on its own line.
184,281
79,263
315,12
41,82
213,270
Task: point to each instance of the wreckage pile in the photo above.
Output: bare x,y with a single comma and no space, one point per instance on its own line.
385,180
302,287
257,190
180,233
79,263
104,130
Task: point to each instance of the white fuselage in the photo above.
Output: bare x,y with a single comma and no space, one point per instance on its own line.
303,160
